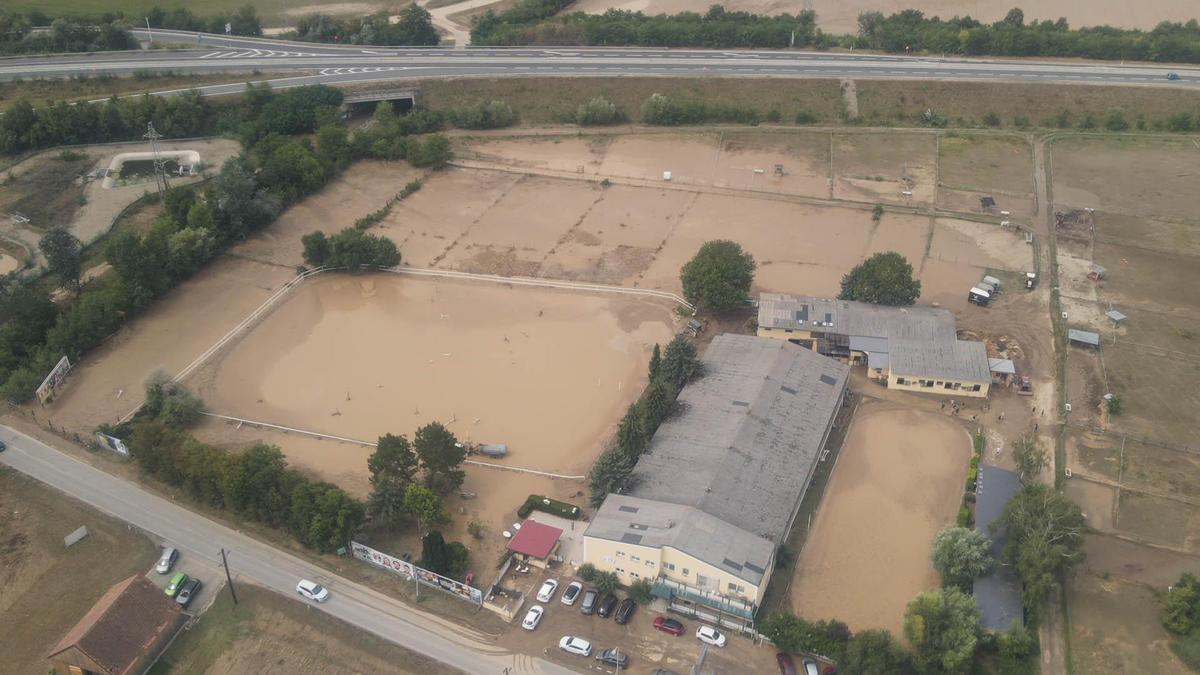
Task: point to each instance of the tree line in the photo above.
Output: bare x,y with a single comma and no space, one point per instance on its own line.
539,22
530,23
413,26
293,145
18,34
667,372
35,32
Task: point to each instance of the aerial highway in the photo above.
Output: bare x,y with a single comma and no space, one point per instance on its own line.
303,63
199,537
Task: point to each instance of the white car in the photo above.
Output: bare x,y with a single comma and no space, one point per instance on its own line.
533,617
571,594
547,590
710,635
574,645
312,590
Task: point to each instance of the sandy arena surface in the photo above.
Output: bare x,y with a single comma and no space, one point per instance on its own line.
8,263
544,371
897,483
842,16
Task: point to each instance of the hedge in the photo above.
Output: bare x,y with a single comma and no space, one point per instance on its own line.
551,506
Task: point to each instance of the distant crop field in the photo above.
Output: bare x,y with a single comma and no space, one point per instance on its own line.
282,12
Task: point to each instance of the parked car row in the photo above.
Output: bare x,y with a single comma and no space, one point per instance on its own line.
788,667
580,647
705,634
181,587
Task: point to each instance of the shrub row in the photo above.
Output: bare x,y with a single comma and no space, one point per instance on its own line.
551,506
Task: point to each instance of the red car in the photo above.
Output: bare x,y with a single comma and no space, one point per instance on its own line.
668,625
786,665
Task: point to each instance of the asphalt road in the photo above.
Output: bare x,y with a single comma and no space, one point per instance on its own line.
198,536
332,64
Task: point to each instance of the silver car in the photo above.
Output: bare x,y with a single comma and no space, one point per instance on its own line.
167,561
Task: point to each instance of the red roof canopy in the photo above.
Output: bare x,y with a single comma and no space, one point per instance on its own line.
534,539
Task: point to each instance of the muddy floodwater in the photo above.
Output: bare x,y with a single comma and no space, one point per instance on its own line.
544,371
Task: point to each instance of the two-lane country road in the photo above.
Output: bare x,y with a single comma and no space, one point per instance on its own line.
337,64
196,535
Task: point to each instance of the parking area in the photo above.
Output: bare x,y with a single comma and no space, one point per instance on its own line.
209,574
648,648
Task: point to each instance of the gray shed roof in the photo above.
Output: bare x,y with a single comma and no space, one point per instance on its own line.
1115,315
1002,366
998,594
846,317
869,344
1083,336
952,360
656,524
748,436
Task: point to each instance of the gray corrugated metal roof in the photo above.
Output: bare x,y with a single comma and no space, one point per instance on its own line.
957,360
859,343
999,593
1002,366
878,360
846,317
748,465
1115,315
1085,336
656,524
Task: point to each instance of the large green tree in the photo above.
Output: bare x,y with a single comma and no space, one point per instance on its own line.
718,278
64,256
608,474
795,634
961,555
441,457
873,652
425,506
393,468
883,279
1031,458
680,364
943,628
1181,606
1045,539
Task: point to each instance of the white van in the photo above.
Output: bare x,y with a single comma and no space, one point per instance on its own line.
312,590
979,296
993,282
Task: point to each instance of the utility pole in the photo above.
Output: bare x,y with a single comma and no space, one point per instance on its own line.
149,31
228,578
160,172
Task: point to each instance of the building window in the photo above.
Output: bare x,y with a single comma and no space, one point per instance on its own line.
900,380
975,388
669,566
736,588
957,386
649,563
620,554
634,558
950,385
620,571
685,571
635,575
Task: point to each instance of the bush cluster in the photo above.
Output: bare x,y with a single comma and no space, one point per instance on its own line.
351,249
598,112
490,115
17,35
662,110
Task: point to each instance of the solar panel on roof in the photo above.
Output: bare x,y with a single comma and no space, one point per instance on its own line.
827,379
755,568
631,538
628,509
789,390
742,403
732,565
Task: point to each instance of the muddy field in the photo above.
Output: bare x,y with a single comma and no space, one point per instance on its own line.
641,228
495,364
897,483
1115,628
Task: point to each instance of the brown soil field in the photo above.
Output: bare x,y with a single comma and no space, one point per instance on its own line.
45,588
971,166
878,167
495,364
269,633
898,482
1159,520
1172,236
1130,175
1115,628
842,17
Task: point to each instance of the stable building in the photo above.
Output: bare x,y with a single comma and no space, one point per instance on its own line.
721,482
923,341
122,634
